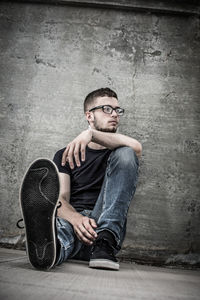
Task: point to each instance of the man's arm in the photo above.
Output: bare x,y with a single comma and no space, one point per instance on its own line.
106,139
83,226
115,140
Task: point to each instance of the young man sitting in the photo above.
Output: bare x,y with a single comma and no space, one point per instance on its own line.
76,207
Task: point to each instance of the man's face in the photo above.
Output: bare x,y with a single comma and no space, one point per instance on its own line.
100,120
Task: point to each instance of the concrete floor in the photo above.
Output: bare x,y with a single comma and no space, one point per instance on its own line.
74,280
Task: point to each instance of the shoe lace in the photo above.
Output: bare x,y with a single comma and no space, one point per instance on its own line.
59,204
21,220
18,224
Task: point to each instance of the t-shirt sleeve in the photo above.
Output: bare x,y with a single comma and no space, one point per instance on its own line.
57,160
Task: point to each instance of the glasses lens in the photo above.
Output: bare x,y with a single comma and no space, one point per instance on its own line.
120,111
107,109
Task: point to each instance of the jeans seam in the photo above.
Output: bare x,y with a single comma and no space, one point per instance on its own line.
105,187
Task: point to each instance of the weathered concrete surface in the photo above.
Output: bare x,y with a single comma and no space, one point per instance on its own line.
52,56
164,6
74,280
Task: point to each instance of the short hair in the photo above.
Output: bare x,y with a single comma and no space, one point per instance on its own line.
98,93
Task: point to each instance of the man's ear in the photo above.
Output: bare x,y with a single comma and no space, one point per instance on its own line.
89,116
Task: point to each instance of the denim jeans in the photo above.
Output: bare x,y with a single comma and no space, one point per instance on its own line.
111,208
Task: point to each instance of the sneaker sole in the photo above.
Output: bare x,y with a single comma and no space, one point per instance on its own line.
104,264
39,194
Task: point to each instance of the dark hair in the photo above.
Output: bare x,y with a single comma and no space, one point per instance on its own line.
98,93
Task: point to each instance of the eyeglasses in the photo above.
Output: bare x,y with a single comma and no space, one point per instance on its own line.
108,109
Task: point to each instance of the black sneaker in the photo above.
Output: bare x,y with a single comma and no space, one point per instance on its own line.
39,200
102,256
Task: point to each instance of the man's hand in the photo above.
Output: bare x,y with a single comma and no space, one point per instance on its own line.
75,147
84,228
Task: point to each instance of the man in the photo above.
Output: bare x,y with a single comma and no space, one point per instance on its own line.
81,211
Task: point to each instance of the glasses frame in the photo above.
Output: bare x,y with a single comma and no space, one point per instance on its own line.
113,108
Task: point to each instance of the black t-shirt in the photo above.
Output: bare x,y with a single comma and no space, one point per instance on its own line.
86,180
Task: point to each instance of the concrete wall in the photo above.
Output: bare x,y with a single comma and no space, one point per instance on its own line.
52,56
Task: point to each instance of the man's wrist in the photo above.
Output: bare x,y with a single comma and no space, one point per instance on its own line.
74,216
91,132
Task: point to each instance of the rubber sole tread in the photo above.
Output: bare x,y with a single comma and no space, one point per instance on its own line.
39,195
104,264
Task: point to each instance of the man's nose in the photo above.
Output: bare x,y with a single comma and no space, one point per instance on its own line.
114,114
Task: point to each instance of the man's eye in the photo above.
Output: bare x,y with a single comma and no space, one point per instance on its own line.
120,111
107,109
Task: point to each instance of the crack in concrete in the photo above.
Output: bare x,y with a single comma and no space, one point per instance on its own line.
43,62
154,53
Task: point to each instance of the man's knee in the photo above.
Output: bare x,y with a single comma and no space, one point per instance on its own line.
125,157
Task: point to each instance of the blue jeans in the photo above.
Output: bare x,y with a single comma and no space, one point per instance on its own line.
111,208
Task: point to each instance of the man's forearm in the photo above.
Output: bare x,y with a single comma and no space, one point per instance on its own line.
83,226
107,139
115,140
67,211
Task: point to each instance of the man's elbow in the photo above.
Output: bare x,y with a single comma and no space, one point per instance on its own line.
138,149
